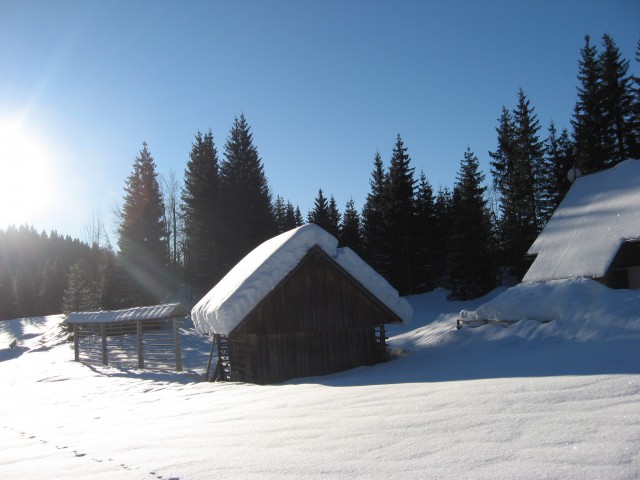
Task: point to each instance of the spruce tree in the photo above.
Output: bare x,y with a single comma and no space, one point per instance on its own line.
553,177
79,295
201,199
471,255
110,278
290,217
399,216
247,212
588,123
142,232
285,215
605,123
7,299
52,287
443,221
350,235
620,141
373,219
279,214
635,117
425,236
334,218
530,155
299,219
25,289
320,213
516,166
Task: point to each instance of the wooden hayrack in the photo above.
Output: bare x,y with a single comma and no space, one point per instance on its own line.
143,337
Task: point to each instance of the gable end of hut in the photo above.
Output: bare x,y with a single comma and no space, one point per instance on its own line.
318,320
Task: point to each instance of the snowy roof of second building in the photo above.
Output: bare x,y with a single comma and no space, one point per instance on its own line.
259,273
599,213
153,312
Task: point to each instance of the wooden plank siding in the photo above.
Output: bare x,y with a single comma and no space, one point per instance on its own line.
318,320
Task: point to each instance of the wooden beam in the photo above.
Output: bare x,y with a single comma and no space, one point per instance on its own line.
213,344
139,338
383,343
76,343
103,334
176,340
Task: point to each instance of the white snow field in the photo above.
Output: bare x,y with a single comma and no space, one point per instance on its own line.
559,400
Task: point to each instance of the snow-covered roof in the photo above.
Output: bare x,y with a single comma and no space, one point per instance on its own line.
599,213
153,312
256,275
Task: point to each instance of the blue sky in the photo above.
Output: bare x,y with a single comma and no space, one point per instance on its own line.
324,85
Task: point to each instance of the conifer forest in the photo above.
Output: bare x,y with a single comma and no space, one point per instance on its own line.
177,237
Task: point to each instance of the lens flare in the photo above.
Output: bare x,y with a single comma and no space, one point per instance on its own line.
26,175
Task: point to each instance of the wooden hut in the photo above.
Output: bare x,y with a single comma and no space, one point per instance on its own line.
594,232
140,337
298,306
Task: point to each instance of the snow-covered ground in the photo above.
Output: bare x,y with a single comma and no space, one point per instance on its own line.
552,400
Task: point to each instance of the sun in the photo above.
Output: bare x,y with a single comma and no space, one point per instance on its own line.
25,175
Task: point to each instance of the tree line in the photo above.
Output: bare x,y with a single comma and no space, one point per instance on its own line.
34,268
177,241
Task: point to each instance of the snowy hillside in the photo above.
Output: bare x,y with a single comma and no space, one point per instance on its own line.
553,400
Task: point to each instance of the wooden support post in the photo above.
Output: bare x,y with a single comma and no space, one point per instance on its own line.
103,334
218,373
383,343
76,342
176,341
213,344
140,352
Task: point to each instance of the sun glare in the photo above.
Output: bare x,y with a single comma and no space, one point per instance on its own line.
25,176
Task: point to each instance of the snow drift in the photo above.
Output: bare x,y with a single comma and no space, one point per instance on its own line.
579,308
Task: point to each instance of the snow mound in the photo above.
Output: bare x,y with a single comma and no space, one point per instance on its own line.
580,308
257,274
